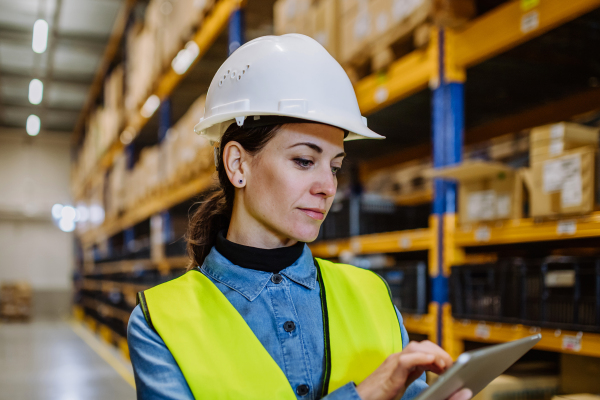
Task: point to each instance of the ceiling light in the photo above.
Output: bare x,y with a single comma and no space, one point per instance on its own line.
66,225
33,125
56,210
40,36
127,135
150,106
185,58
36,91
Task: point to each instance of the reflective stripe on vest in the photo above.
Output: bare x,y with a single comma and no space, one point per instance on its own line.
221,358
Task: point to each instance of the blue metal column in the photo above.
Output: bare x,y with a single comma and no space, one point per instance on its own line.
236,30
165,121
447,138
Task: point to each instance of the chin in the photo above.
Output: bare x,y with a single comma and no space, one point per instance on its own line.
305,233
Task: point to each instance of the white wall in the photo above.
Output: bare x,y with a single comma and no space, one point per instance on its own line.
34,175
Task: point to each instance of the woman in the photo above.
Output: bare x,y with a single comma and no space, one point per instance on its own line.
256,316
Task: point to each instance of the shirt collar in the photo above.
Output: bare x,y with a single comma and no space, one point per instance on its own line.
249,282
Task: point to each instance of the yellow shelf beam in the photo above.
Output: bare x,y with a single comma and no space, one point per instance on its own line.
127,266
422,324
153,205
510,24
527,230
106,309
556,340
391,242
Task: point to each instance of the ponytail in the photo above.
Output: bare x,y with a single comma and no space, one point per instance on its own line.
214,213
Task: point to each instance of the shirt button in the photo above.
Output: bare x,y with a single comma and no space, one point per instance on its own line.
289,326
276,278
302,390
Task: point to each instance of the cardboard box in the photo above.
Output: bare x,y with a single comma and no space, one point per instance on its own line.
522,387
563,185
324,28
552,141
488,191
291,16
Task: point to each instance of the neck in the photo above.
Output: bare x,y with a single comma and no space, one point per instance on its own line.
268,260
247,231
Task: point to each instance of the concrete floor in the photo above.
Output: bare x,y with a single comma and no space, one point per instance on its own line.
48,360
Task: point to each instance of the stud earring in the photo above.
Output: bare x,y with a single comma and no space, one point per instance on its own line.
241,180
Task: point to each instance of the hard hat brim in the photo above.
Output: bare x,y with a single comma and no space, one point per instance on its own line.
213,127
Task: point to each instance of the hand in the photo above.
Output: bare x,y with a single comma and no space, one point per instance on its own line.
399,370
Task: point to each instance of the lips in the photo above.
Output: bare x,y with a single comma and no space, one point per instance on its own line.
315,213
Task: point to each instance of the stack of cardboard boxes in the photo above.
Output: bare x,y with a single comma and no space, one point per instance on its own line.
15,300
356,32
561,179
181,156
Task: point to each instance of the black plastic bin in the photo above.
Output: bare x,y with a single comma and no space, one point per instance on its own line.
408,285
571,293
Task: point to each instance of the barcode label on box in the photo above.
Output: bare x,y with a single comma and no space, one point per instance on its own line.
572,343
566,227
482,331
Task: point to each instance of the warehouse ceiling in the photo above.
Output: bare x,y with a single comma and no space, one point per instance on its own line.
77,36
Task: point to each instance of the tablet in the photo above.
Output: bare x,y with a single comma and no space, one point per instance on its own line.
476,369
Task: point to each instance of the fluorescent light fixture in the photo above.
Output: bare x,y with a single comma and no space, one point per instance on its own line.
68,212
185,58
66,225
57,210
150,106
40,36
33,125
83,212
36,91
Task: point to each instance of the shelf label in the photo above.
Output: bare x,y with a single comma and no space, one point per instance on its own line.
482,331
530,21
381,95
405,243
566,227
483,234
572,343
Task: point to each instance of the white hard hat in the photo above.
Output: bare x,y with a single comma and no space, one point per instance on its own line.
287,76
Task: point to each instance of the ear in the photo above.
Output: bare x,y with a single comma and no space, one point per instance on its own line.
234,157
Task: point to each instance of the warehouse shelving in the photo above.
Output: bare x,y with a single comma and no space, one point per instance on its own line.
556,340
480,40
390,242
528,230
127,266
507,26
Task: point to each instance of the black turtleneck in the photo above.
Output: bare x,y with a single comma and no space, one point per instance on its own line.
268,260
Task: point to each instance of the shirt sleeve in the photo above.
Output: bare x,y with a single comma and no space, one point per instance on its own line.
419,384
348,391
157,375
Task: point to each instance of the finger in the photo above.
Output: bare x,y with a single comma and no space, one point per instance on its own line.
464,394
407,363
430,347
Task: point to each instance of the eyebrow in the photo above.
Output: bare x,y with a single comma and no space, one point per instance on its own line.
316,148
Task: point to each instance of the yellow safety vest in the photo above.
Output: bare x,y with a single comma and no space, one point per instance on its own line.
221,358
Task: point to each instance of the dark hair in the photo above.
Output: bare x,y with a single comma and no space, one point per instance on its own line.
214,213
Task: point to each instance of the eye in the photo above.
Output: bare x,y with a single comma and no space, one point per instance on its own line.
302,162
335,170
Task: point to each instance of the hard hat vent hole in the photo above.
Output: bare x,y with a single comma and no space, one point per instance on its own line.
233,74
239,77
221,82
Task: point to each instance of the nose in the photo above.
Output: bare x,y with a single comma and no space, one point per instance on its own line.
325,185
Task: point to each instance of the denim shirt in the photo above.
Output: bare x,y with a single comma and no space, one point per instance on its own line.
265,306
